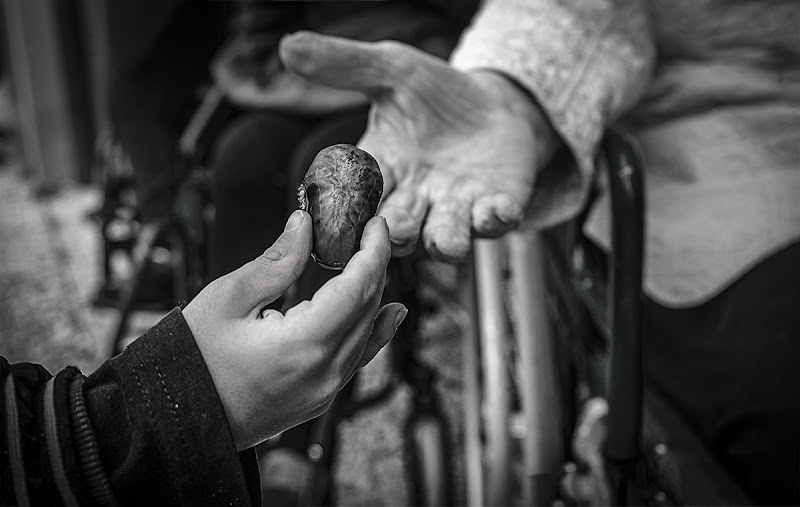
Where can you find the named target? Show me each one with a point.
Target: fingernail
(295, 220)
(301, 35)
(401, 315)
(399, 243)
(503, 220)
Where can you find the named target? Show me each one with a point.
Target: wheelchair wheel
(512, 413)
(428, 440)
(490, 268)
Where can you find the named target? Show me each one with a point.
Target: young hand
(274, 371)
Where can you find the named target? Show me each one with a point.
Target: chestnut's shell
(341, 192)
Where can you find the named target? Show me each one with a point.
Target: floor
(49, 270)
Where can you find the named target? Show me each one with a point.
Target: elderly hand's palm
(456, 158)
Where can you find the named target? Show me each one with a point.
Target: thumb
(265, 278)
(369, 67)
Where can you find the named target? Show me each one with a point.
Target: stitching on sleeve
(150, 411)
(173, 406)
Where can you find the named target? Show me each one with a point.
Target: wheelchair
(549, 321)
(557, 322)
(183, 233)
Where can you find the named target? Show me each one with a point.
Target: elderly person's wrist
(515, 98)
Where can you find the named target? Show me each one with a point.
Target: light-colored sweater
(711, 91)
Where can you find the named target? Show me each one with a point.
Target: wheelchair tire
(493, 336)
(428, 465)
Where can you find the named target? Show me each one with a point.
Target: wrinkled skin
(251, 77)
(459, 151)
(341, 192)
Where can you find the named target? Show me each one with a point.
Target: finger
(382, 327)
(579, 487)
(265, 278)
(375, 146)
(495, 215)
(351, 349)
(404, 211)
(371, 68)
(340, 303)
(387, 321)
(447, 229)
(403, 208)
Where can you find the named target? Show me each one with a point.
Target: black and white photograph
(302, 253)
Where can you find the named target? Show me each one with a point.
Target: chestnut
(341, 192)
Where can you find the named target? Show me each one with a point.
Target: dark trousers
(731, 366)
(257, 164)
(727, 370)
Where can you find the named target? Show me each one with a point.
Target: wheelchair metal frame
(488, 413)
(506, 278)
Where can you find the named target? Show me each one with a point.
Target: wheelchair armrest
(626, 188)
(205, 124)
(609, 288)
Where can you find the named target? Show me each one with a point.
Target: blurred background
(116, 121)
(150, 146)
(55, 81)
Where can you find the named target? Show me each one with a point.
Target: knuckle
(385, 253)
(224, 286)
(381, 256)
(373, 293)
(355, 299)
(272, 254)
(330, 387)
(397, 55)
(319, 357)
(393, 49)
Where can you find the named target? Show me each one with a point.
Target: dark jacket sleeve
(147, 428)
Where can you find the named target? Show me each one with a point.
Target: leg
(250, 185)
(730, 365)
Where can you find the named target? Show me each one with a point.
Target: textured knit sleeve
(147, 428)
(585, 61)
(161, 428)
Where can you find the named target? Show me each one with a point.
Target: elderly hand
(458, 150)
(254, 79)
(274, 371)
